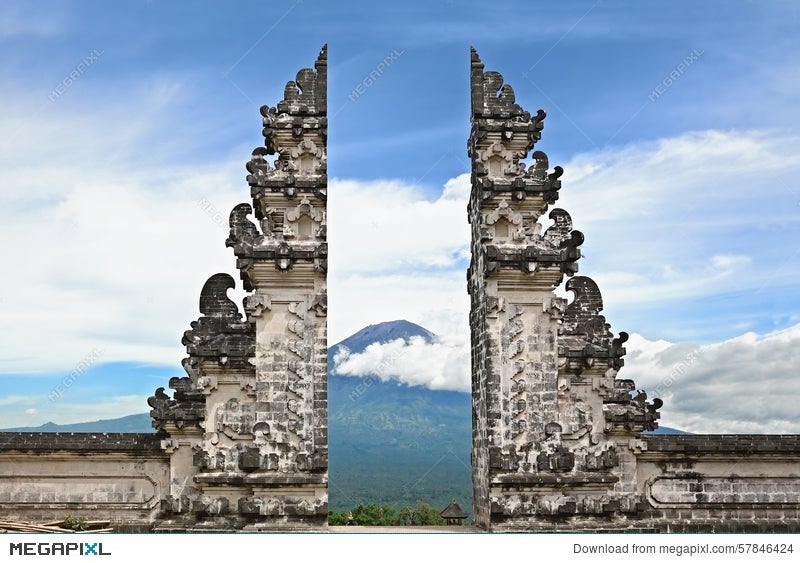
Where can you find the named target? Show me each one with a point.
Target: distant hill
(131, 423)
(667, 430)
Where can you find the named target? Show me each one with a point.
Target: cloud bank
(439, 365)
(741, 385)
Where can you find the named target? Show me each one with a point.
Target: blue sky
(126, 127)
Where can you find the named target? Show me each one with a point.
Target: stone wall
(117, 477)
(721, 483)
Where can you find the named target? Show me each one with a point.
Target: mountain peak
(384, 332)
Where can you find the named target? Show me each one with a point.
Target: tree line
(384, 515)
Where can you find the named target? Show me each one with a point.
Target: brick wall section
(739, 444)
(722, 482)
(85, 442)
(45, 476)
(482, 374)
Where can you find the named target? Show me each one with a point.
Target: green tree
(374, 515)
(337, 518)
(426, 515)
(421, 514)
(406, 517)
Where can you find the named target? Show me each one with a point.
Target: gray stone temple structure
(550, 415)
(247, 427)
(558, 437)
(560, 440)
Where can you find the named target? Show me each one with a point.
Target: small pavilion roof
(453, 511)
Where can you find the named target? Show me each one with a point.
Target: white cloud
(672, 188)
(696, 216)
(396, 255)
(728, 262)
(744, 384)
(442, 364)
(736, 386)
(389, 226)
(109, 249)
(111, 266)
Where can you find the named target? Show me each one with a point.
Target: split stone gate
(558, 437)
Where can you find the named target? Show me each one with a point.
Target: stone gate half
(549, 413)
(558, 439)
(247, 426)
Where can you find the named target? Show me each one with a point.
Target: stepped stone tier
(247, 427)
(558, 437)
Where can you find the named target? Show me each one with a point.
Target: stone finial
(306, 95)
(243, 232)
(296, 130)
(501, 137)
(220, 333)
(493, 99)
(220, 336)
(214, 301)
(585, 336)
(588, 302)
(303, 107)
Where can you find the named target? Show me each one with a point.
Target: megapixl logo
(57, 548)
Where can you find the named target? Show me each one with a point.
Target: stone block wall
(721, 483)
(116, 477)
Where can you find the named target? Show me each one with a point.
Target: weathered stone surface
(549, 414)
(249, 424)
(51, 442)
(729, 444)
(118, 477)
(722, 483)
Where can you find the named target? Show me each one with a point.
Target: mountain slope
(379, 333)
(132, 423)
(394, 444)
